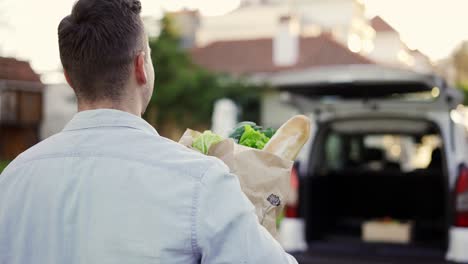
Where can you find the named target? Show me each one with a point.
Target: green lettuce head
(252, 138)
(203, 142)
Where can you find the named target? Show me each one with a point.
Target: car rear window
(401, 152)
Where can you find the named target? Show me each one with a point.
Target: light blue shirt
(109, 189)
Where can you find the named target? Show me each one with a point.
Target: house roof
(256, 55)
(381, 25)
(12, 69)
(418, 52)
(184, 11)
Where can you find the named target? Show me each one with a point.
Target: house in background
(263, 39)
(344, 20)
(388, 47)
(263, 59)
(296, 38)
(390, 50)
(187, 22)
(59, 107)
(21, 95)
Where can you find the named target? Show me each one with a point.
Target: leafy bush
(184, 94)
(3, 164)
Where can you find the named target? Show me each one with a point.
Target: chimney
(286, 42)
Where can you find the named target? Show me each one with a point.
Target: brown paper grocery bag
(264, 177)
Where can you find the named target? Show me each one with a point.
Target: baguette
(290, 138)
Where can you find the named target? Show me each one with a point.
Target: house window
(8, 104)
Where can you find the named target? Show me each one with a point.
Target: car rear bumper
(458, 245)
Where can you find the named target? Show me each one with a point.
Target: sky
(29, 27)
(435, 27)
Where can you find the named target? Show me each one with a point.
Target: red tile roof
(381, 25)
(12, 69)
(256, 55)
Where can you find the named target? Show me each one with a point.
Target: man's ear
(67, 77)
(140, 71)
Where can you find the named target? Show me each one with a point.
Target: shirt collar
(108, 118)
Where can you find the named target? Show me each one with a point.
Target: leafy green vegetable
(205, 141)
(240, 129)
(269, 132)
(237, 133)
(252, 138)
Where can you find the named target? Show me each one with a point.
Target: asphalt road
(343, 259)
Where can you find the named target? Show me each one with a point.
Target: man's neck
(132, 109)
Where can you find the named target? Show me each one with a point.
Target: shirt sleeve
(227, 228)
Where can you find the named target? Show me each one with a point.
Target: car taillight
(291, 210)
(461, 198)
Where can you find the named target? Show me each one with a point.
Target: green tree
(464, 89)
(3, 164)
(460, 59)
(184, 94)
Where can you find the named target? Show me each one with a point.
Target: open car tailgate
(339, 87)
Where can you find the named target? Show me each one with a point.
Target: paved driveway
(336, 253)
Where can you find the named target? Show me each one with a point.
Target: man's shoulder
(148, 150)
(38, 150)
(158, 152)
(164, 151)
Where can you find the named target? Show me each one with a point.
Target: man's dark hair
(98, 42)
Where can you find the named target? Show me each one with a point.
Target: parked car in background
(384, 177)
